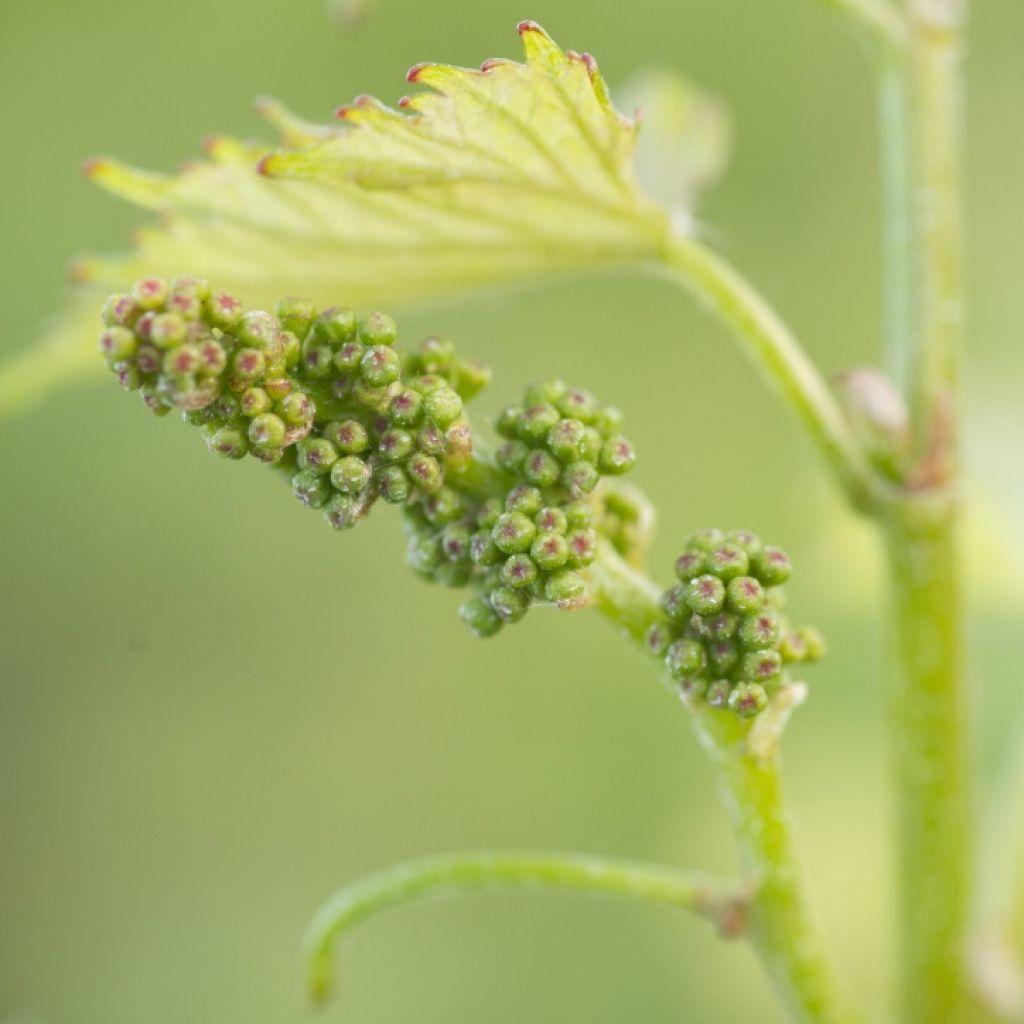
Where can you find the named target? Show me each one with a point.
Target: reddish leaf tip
(404, 101)
(491, 63)
(265, 166)
(414, 72)
(93, 166)
(528, 26)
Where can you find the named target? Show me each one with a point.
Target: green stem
(748, 774)
(490, 871)
(929, 706)
(772, 346)
(930, 716)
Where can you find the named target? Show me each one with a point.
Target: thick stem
(780, 924)
(722, 902)
(780, 921)
(773, 348)
(930, 720)
(930, 712)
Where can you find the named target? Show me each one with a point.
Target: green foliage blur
(213, 710)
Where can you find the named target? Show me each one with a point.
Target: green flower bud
(565, 589)
(393, 484)
(296, 409)
(396, 444)
(425, 472)
(348, 436)
(549, 550)
(351, 474)
(480, 617)
(430, 440)
(377, 329)
(592, 444)
(580, 514)
(348, 357)
(675, 606)
(546, 391)
(723, 656)
(772, 567)
(150, 293)
(705, 540)
(524, 499)
(718, 693)
(317, 454)
(470, 378)
(541, 468)
(310, 488)
(762, 666)
(341, 511)
(117, 343)
(617, 456)
(443, 406)
(749, 542)
(453, 574)
(318, 362)
(507, 423)
(692, 689)
(254, 401)
(333, 327)
(482, 549)
(690, 564)
(760, 631)
(814, 643)
(706, 595)
(489, 512)
(685, 658)
(566, 440)
(229, 442)
(257, 329)
(551, 518)
(445, 506)
(380, 366)
(721, 627)
(248, 364)
(510, 456)
(745, 595)
(423, 553)
(223, 310)
(578, 405)
(455, 540)
(406, 408)
(579, 479)
(727, 562)
(120, 310)
(519, 570)
(513, 533)
(748, 700)
(167, 330)
(657, 638)
(267, 431)
(608, 420)
(536, 421)
(296, 315)
(509, 603)
(582, 548)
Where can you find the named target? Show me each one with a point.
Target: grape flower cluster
(324, 396)
(529, 536)
(724, 638)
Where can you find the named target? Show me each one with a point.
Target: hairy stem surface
(779, 921)
(929, 706)
(722, 902)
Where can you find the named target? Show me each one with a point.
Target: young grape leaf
(509, 172)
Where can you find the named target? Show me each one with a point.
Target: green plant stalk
(929, 717)
(773, 348)
(749, 778)
(722, 902)
(929, 706)
(876, 16)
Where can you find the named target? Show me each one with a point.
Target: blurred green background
(205, 723)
